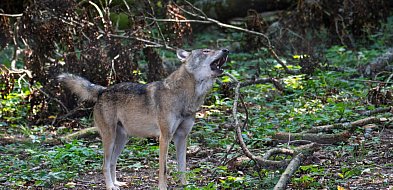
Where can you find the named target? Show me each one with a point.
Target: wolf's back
(84, 89)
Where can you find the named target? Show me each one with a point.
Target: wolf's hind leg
(108, 141)
(120, 142)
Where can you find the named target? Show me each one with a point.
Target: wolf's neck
(179, 80)
(182, 80)
(203, 86)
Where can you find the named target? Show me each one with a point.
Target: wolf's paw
(162, 186)
(118, 183)
(112, 188)
(183, 181)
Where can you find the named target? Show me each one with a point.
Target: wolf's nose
(225, 51)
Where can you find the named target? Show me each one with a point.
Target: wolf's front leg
(180, 144)
(180, 140)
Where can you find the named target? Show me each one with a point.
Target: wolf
(165, 109)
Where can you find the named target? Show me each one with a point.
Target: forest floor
(215, 160)
(369, 167)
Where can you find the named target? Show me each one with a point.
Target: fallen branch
(276, 151)
(315, 134)
(291, 169)
(347, 125)
(81, 134)
(376, 111)
(265, 160)
(238, 85)
(11, 139)
(20, 139)
(371, 81)
(11, 15)
(317, 138)
(307, 149)
(260, 161)
(299, 142)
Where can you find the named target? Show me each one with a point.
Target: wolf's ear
(182, 54)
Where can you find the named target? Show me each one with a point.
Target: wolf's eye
(205, 51)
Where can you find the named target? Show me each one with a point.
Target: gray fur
(164, 109)
(85, 90)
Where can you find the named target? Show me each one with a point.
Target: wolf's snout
(226, 51)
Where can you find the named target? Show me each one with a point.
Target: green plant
(34, 165)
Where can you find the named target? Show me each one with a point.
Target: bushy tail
(84, 89)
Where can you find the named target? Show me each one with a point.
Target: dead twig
(158, 26)
(222, 24)
(149, 43)
(53, 98)
(269, 46)
(180, 21)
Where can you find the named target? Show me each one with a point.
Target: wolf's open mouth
(216, 65)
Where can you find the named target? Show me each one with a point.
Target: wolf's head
(204, 63)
